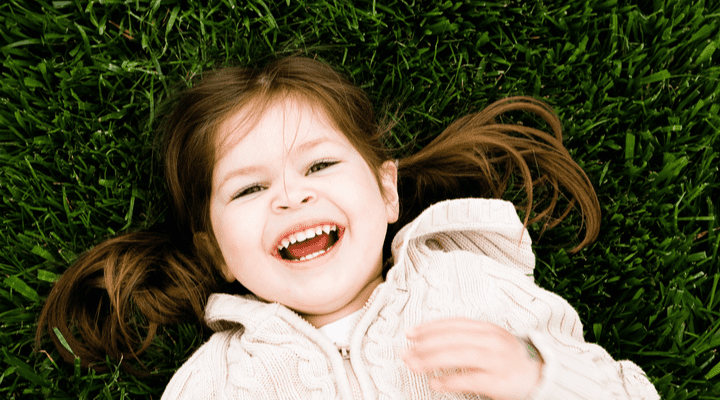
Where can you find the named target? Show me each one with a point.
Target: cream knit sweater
(466, 258)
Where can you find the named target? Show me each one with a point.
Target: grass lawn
(636, 84)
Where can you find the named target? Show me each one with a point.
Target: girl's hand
(474, 357)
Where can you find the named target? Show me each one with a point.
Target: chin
(326, 306)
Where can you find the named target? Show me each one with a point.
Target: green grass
(635, 83)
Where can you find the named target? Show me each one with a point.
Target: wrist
(534, 366)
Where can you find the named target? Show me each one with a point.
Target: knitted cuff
(567, 374)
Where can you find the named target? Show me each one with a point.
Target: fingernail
(410, 361)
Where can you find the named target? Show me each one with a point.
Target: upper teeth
(305, 235)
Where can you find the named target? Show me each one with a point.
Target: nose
(293, 196)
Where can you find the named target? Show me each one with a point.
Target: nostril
(289, 202)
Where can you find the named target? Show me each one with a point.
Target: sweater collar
(226, 311)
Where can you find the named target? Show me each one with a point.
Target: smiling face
(292, 176)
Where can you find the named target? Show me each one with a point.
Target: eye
(247, 191)
(320, 165)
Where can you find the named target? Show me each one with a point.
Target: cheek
(238, 232)
(363, 193)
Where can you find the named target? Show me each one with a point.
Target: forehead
(284, 124)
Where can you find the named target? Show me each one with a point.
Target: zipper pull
(344, 351)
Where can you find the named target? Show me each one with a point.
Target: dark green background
(635, 84)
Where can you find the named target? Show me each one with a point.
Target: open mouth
(310, 243)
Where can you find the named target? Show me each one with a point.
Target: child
(278, 179)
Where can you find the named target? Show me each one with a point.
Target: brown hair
(477, 152)
(168, 276)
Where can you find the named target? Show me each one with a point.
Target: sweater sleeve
(202, 376)
(572, 369)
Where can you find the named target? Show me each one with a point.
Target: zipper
(352, 378)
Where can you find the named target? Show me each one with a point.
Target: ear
(208, 248)
(388, 176)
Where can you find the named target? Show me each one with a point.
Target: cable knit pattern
(466, 258)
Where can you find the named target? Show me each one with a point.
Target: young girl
(356, 282)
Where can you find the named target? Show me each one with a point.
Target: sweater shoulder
(202, 375)
(487, 227)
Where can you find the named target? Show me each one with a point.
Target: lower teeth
(313, 255)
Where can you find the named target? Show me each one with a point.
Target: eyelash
(256, 188)
(327, 163)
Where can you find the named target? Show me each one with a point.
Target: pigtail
(128, 284)
(115, 297)
(477, 152)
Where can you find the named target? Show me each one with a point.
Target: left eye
(248, 191)
(320, 165)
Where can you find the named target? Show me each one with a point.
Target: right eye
(247, 191)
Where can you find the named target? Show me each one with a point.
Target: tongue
(309, 246)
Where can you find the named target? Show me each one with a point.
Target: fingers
(460, 350)
(445, 360)
(486, 385)
(460, 383)
(466, 356)
(460, 327)
(465, 344)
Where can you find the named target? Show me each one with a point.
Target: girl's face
(298, 214)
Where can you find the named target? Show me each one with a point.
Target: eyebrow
(307, 146)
